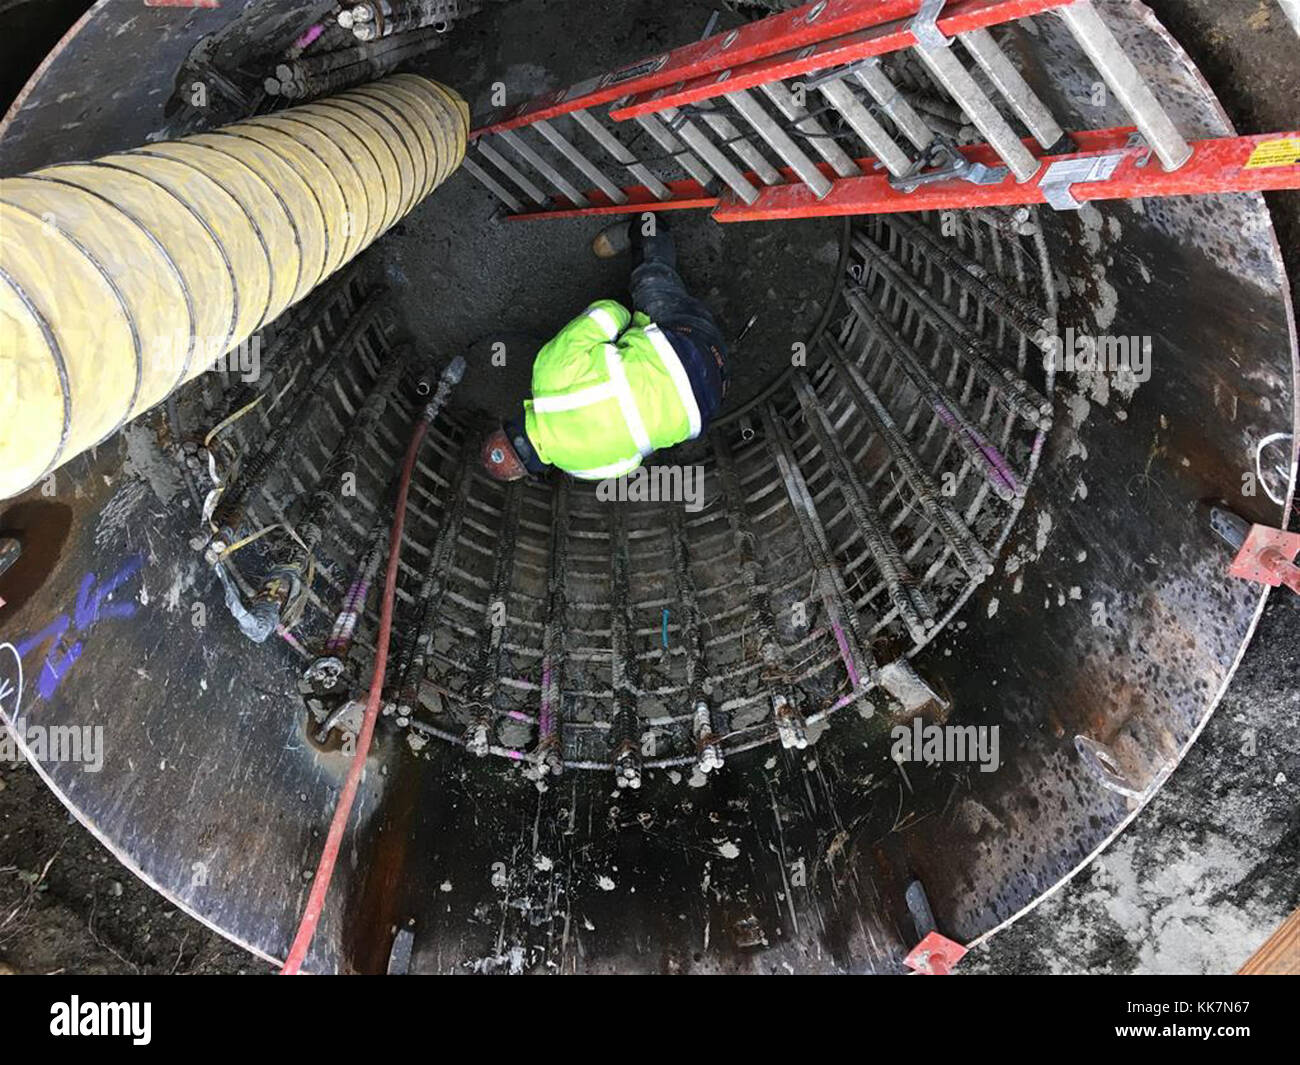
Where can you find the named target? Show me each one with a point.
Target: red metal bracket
(935, 955)
(1268, 557)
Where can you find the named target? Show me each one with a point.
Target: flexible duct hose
(123, 278)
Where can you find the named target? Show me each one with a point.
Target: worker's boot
(646, 235)
(612, 241)
(651, 239)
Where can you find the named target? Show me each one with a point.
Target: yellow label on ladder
(1275, 153)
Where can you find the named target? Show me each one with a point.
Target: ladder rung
(492, 185)
(512, 172)
(1013, 87)
(621, 154)
(530, 156)
(770, 130)
(872, 133)
(822, 142)
(894, 104)
(956, 79)
(1096, 39)
(712, 155)
(589, 169)
(741, 146)
(669, 142)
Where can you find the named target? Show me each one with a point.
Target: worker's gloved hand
(500, 458)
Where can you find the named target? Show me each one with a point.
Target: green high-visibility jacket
(608, 391)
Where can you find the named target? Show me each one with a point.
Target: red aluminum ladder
(767, 122)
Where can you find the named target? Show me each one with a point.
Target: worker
(615, 386)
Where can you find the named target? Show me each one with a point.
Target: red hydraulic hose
(334, 841)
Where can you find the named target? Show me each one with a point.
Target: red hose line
(343, 809)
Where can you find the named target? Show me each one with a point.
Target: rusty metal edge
(1288, 511)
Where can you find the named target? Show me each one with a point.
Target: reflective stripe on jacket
(608, 391)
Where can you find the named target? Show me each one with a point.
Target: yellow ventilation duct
(123, 278)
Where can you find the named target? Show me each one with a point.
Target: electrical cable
(343, 809)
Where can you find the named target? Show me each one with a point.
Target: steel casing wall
(125, 277)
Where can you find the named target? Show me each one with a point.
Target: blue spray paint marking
(92, 607)
(665, 626)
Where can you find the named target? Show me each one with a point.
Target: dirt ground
(1203, 876)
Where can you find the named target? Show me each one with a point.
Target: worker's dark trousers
(659, 292)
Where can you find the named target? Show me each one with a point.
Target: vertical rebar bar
(416, 630)
(229, 512)
(742, 535)
(984, 456)
(492, 636)
(969, 552)
(911, 602)
(625, 733)
(841, 613)
(987, 287)
(1010, 389)
(550, 722)
(708, 747)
